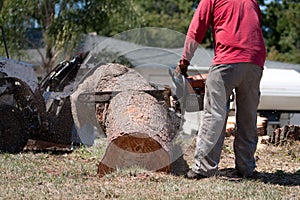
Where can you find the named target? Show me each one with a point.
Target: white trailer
(280, 90)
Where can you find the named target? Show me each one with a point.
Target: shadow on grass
(179, 167)
(277, 178)
(49, 151)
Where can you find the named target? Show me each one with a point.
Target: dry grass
(48, 175)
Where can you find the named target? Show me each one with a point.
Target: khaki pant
(245, 79)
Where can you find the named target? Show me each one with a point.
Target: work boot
(193, 175)
(250, 176)
(234, 174)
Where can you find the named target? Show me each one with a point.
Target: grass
(48, 175)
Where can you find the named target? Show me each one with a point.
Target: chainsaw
(189, 92)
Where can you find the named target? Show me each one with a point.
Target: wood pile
(261, 124)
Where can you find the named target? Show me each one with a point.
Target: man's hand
(182, 68)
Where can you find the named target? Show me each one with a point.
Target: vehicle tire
(13, 137)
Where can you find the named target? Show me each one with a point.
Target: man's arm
(201, 21)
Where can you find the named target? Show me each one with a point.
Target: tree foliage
(171, 14)
(174, 15)
(62, 22)
(282, 30)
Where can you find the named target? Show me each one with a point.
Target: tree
(281, 28)
(11, 25)
(62, 22)
(172, 14)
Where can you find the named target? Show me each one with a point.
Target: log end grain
(134, 150)
(261, 125)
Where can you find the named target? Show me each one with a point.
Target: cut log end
(261, 126)
(136, 149)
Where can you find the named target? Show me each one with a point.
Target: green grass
(37, 175)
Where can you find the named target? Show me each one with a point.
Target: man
(238, 64)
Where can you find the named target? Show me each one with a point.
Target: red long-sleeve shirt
(236, 31)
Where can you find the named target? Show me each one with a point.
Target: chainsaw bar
(106, 96)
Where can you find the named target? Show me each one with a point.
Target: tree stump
(284, 134)
(138, 127)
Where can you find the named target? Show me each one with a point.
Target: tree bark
(138, 127)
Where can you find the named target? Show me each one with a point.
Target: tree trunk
(138, 127)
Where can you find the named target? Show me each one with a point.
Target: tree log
(138, 127)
